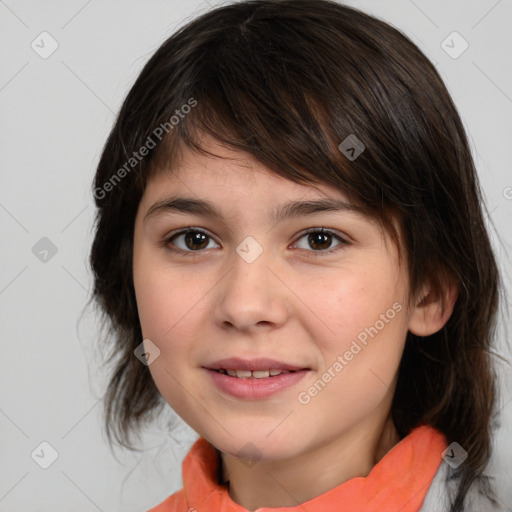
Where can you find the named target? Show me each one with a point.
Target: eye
(320, 240)
(190, 240)
(193, 240)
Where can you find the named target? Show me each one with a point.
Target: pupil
(194, 238)
(319, 239)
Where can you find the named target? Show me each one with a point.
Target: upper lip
(236, 363)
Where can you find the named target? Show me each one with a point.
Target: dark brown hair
(287, 81)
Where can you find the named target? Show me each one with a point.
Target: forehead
(231, 176)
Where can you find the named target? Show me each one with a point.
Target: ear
(432, 310)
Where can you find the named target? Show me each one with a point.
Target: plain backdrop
(56, 112)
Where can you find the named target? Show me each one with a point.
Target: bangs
(303, 152)
(256, 95)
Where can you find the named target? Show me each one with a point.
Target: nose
(252, 295)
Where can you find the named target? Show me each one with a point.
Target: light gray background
(56, 114)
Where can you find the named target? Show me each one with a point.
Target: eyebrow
(285, 211)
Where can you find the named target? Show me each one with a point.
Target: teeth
(260, 374)
(256, 374)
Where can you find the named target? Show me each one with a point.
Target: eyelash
(314, 253)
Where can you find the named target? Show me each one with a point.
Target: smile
(255, 384)
(255, 374)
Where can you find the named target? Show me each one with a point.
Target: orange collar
(399, 481)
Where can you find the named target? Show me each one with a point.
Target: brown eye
(320, 240)
(195, 240)
(191, 240)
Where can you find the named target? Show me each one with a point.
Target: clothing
(443, 490)
(411, 477)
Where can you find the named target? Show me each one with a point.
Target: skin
(289, 305)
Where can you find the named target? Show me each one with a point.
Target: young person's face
(254, 287)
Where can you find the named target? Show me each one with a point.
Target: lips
(256, 384)
(253, 365)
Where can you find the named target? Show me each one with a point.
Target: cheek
(171, 309)
(360, 318)
(165, 300)
(348, 302)
(167, 305)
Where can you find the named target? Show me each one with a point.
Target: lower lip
(255, 389)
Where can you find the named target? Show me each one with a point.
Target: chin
(256, 445)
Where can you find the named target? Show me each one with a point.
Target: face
(247, 284)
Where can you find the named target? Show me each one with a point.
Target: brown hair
(287, 81)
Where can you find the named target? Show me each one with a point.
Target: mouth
(255, 374)
(254, 379)
(259, 368)
(255, 384)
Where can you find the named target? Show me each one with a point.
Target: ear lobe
(432, 310)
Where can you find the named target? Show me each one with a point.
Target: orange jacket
(399, 481)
